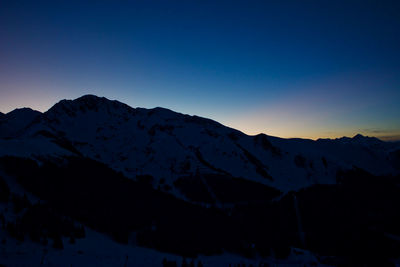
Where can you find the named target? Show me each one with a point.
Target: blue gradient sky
(286, 68)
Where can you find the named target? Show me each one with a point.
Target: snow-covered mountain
(168, 186)
(168, 145)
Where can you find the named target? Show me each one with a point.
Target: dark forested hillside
(353, 221)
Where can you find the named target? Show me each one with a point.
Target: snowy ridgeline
(168, 145)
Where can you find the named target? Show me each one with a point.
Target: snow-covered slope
(168, 145)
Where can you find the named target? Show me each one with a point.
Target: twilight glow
(284, 68)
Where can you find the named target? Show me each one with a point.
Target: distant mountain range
(168, 176)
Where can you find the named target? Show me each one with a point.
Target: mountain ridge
(168, 145)
(90, 98)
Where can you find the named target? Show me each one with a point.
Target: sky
(309, 69)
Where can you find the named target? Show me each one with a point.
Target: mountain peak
(91, 100)
(86, 103)
(90, 96)
(359, 137)
(22, 111)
